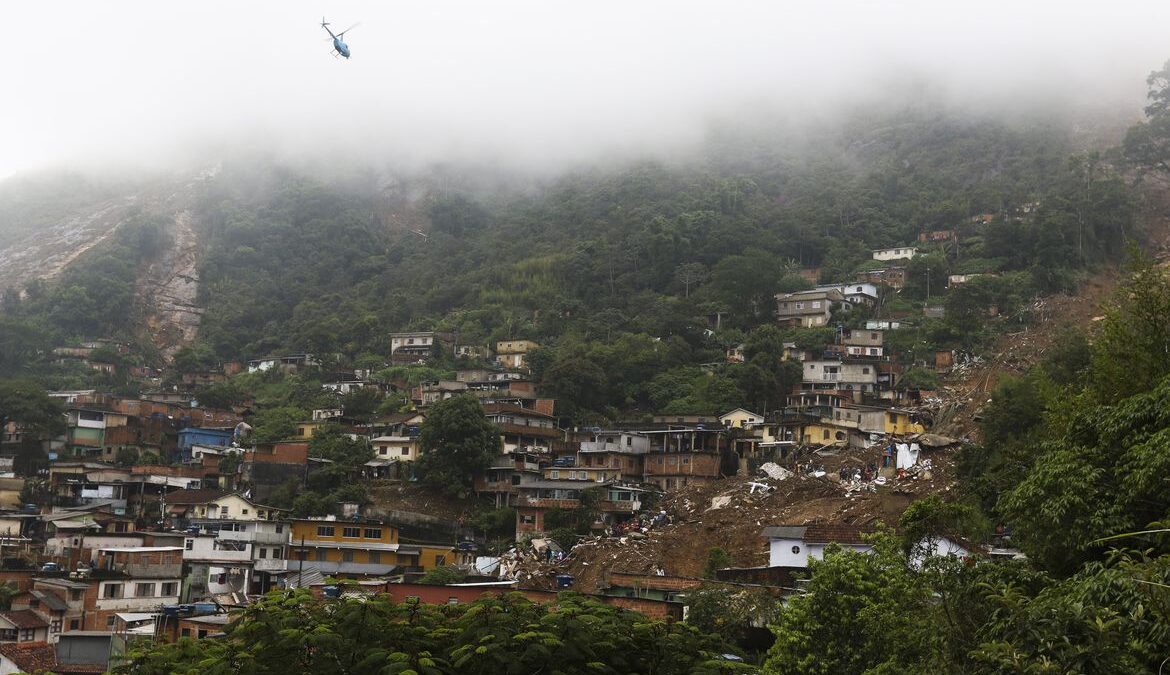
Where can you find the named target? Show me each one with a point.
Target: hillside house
(619, 455)
(892, 277)
(939, 236)
(807, 309)
(289, 363)
(347, 549)
(740, 418)
(511, 353)
(419, 346)
(399, 448)
(855, 378)
(857, 293)
(523, 429)
(895, 253)
(234, 556)
(795, 545)
(137, 579)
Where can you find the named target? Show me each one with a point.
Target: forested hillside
(629, 276)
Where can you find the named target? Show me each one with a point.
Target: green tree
(717, 559)
(457, 441)
(27, 404)
(1148, 143)
(853, 605)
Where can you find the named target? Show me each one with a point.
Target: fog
(539, 84)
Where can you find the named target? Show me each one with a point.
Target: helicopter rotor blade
(349, 29)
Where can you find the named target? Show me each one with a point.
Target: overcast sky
(89, 82)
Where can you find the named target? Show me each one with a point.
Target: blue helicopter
(338, 44)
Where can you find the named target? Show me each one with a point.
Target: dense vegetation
(634, 278)
(292, 632)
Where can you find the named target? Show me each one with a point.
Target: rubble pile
(731, 514)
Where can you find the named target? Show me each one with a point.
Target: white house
(895, 253)
(838, 375)
(793, 546)
(740, 418)
(856, 293)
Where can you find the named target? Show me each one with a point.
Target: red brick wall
(652, 581)
(440, 595)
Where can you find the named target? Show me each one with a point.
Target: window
(321, 555)
(262, 553)
(795, 549)
(686, 460)
(554, 474)
(75, 624)
(55, 626)
(528, 519)
(375, 557)
(325, 530)
(452, 600)
(170, 589)
(189, 544)
(144, 590)
(382, 450)
(110, 622)
(120, 527)
(112, 591)
(405, 451)
(351, 532)
(816, 304)
(440, 560)
(244, 511)
(865, 371)
(223, 511)
(826, 434)
(373, 533)
(186, 632)
(629, 440)
(280, 529)
(74, 595)
(347, 556)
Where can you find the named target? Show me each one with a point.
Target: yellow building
(307, 429)
(824, 433)
(900, 423)
(360, 548)
(401, 448)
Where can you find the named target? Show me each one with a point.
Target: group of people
(642, 523)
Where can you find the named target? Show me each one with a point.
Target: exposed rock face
(44, 253)
(166, 287)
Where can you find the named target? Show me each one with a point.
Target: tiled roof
(833, 534)
(198, 496)
(24, 618)
(817, 533)
(50, 600)
(30, 657)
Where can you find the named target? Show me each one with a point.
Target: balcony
(270, 565)
(546, 503)
(152, 571)
(831, 377)
(252, 536)
(619, 506)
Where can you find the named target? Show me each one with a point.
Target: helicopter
(338, 44)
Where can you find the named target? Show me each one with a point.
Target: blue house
(189, 436)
